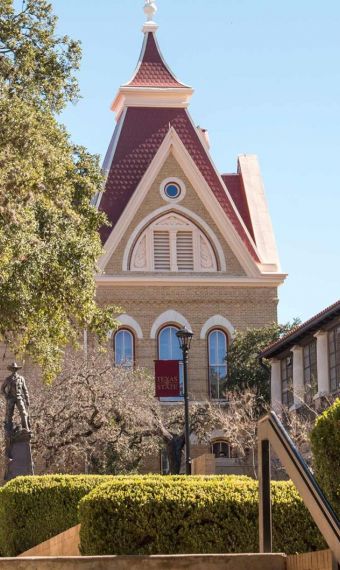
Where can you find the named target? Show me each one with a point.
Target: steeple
(153, 83)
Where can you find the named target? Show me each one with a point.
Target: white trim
(173, 143)
(169, 97)
(154, 280)
(249, 169)
(177, 181)
(127, 321)
(215, 322)
(169, 316)
(191, 217)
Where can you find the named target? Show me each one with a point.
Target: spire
(150, 10)
(153, 83)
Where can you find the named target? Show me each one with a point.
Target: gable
(191, 203)
(141, 136)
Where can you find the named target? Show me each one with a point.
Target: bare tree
(94, 417)
(239, 416)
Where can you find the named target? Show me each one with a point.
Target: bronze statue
(15, 391)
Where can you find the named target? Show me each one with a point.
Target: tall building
(187, 246)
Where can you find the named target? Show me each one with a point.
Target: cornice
(154, 280)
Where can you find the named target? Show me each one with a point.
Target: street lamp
(184, 337)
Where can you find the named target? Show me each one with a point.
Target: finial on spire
(150, 10)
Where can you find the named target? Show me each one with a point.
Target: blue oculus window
(168, 349)
(172, 190)
(124, 345)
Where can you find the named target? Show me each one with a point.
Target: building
(188, 246)
(305, 363)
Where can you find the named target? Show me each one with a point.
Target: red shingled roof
(308, 327)
(152, 70)
(142, 133)
(235, 186)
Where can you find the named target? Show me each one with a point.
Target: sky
(267, 82)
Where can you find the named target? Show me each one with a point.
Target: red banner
(167, 378)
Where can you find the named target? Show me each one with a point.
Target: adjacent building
(305, 363)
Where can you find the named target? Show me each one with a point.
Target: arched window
(124, 348)
(223, 450)
(217, 352)
(173, 243)
(168, 349)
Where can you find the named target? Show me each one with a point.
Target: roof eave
(151, 97)
(310, 326)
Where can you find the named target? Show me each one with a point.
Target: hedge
(166, 515)
(325, 440)
(33, 509)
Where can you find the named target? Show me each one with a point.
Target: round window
(172, 190)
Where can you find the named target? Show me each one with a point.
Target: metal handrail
(271, 433)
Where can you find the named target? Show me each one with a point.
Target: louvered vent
(185, 251)
(161, 242)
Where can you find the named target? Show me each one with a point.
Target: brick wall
(243, 307)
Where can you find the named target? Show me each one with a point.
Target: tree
(49, 240)
(94, 418)
(170, 428)
(36, 65)
(244, 368)
(239, 416)
(103, 419)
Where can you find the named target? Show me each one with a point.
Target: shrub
(167, 515)
(325, 440)
(33, 509)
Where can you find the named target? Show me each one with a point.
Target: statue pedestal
(19, 456)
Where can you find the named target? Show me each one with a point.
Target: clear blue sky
(267, 81)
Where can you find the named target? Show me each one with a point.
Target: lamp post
(184, 337)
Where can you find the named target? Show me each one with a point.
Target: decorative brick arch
(217, 321)
(131, 323)
(170, 316)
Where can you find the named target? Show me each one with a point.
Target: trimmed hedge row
(325, 440)
(171, 515)
(33, 509)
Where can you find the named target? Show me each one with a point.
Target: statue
(15, 391)
(18, 447)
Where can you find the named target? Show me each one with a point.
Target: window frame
(334, 387)
(289, 379)
(310, 367)
(221, 330)
(204, 255)
(125, 329)
(179, 398)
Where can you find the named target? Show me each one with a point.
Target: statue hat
(14, 366)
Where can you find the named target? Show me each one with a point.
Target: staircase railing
(271, 433)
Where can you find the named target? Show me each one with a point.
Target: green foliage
(325, 441)
(171, 515)
(33, 509)
(35, 64)
(49, 240)
(244, 368)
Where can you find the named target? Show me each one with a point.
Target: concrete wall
(204, 465)
(312, 561)
(64, 544)
(180, 562)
